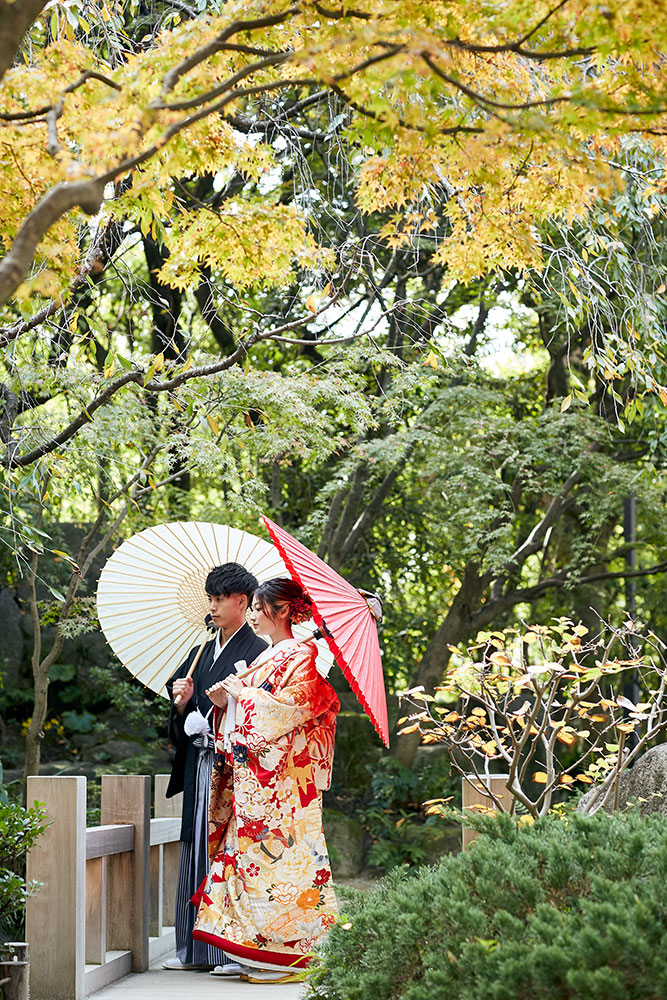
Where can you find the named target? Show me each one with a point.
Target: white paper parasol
(150, 596)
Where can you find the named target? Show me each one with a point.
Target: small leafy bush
(558, 910)
(394, 817)
(19, 829)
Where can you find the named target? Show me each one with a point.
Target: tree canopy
(266, 255)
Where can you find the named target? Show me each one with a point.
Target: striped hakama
(193, 868)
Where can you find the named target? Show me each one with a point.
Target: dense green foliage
(19, 829)
(398, 829)
(561, 910)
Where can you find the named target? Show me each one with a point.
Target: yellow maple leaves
(251, 244)
(480, 121)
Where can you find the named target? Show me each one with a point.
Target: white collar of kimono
(267, 653)
(219, 646)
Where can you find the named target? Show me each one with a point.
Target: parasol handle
(177, 699)
(321, 632)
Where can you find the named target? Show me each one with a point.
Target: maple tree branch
(52, 116)
(540, 24)
(624, 574)
(249, 50)
(196, 102)
(324, 343)
(515, 47)
(480, 99)
(374, 505)
(84, 417)
(388, 52)
(561, 579)
(321, 343)
(305, 102)
(25, 116)
(640, 113)
(271, 127)
(341, 12)
(368, 113)
(138, 377)
(89, 74)
(200, 55)
(274, 59)
(86, 195)
(97, 247)
(9, 408)
(534, 540)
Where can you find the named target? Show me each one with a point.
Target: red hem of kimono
(292, 961)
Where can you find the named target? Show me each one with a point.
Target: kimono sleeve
(265, 719)
(220, 805)
(175, 731)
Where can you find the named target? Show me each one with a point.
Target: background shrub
(19, 828)
(564, 908)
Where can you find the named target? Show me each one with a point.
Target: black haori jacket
(244, 645)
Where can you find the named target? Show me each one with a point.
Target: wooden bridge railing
(107, 899)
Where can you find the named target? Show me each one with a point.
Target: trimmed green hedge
(565, 909)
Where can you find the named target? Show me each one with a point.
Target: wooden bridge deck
(159, 984)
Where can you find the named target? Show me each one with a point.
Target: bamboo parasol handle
(177, 699)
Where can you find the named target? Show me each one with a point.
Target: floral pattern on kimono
(268, 899)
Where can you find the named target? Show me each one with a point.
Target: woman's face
(262, 623)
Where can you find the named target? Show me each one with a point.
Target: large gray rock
(345, 842)
(644, 783)
(440, 839)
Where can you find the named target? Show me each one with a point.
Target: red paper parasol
(347, 622)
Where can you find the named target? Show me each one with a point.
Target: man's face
(228, 612)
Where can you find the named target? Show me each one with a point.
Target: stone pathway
(158, 984)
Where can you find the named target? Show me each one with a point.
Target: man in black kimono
(229, 589)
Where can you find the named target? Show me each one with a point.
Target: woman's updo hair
(273, 595)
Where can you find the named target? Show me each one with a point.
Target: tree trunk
(15, 19)
(40, 673)
(35, 732)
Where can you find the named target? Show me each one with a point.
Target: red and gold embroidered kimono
(268, 897)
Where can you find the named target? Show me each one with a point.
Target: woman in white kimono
(268, 899)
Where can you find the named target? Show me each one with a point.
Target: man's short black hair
(231, 578)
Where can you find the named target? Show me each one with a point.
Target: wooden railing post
(55, 915)
(126, 799)
(475, 793)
